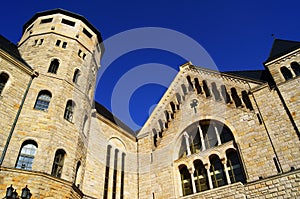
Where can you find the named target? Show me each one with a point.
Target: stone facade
(212, 135)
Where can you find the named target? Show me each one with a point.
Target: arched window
(53, 66)
(190, 83)
(198, 87)
(210, 135)
(26, 155)
(76, 75)
(216, 171)
(43, 100)
(234, 167)
(183, 148)
(225, 94)
(296, 68)
(286, 73)
(3, 80)
(69, 111)
(58, 163)
(200, 176)
(186, 181)
(205, 88)
(246, 100)
(236, 98)
(215, 91)
(184, 90)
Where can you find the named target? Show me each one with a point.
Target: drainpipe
(33, 75)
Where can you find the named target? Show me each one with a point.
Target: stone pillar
(201, 137)
(209, 176)
(226, 171)
(218, 135)
(192, 170)
(186, 136)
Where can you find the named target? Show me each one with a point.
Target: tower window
(236, 98)
(206, 89)
(286, 73)
(3, 80)
(247, 100)
(43, 100)
(76, 75)
(186, 181)
(296, 68)
(26, 155)
(48, 20)
(69, 111)
(64, 45)
(58, 163)
(53, 66)
(57, 43)
(87, 33)
(217, 171)
(68, 22)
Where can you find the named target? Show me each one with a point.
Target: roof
(261, 75)
(281, 47)
(108, 115)
(11, 49)
(64, 12)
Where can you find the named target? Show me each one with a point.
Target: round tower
(65, 49)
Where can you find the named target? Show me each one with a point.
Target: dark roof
(12, 50)
(261, 75)
(108, 115)
(64, 12)
(281, 47)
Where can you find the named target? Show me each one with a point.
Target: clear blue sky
(236, 35)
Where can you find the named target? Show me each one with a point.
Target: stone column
(226, 170)
(207, 166)
(192, 170)
(186, 136)
(201, 137)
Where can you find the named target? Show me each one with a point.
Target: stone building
(212, 135)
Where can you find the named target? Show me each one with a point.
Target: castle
(212, 135)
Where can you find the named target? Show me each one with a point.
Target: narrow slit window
(87, 33)
(68, 22)
(53, 66)
(48, 20)
(57, 43)
(69, 111)
(64, 45)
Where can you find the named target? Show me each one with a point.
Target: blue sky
(235, 34)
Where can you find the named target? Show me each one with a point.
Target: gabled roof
(261, 75)
(12, 50)
(108, 115)
(281, 47)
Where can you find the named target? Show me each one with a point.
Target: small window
(53, 66)
(41, 41)
(43, 100)
(48, 20)
(57, 43)
(206, 89)
(79, 53)
(68, 22)
(286, 73)
(83, 56)
(296, 68)
(87, 33)
(58, 163)
(237, 100)
(26, 155)
(64, 45)
(69, 111)
(3, 80)
(76, 75)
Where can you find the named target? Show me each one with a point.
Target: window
(87, 33)
(69, 111)
(234, 167)
(58, 163)
(3, 80)
(64, 45)
(190, 83)
(57, 43)
(215, 91)
(115, 174)
(247, 100)
(53, 66)
(236, 98)
(184, 90)
(48, 20)
(198, 87)
(122, 176)
(68, 22)
(106, 179)
(76, 75)
(186, 181)
(200, 176)
(43, 100)
(296, 68)
(205, 88)
(216, 171)
(286, 73)
(225, 94)
(26, 155)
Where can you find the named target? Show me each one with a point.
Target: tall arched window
(235, 97)
(215, 91)
(296, 68)
(186, 181)
(200, 176)
(76, 75)
(69, 111)
(3, 80)
(286, 73)
(197, 85)
(43, 100)
(206, 89)
(247, 100)
(190, 83)
(58, 163)
(53, 66)
(217, 171)
(26, 155)
(225, 94)
(184, 90)
(234, 166)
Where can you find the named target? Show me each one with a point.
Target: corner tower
(65, 49)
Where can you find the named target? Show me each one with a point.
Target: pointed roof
(281, 47)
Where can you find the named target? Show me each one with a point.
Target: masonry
(213, 134)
